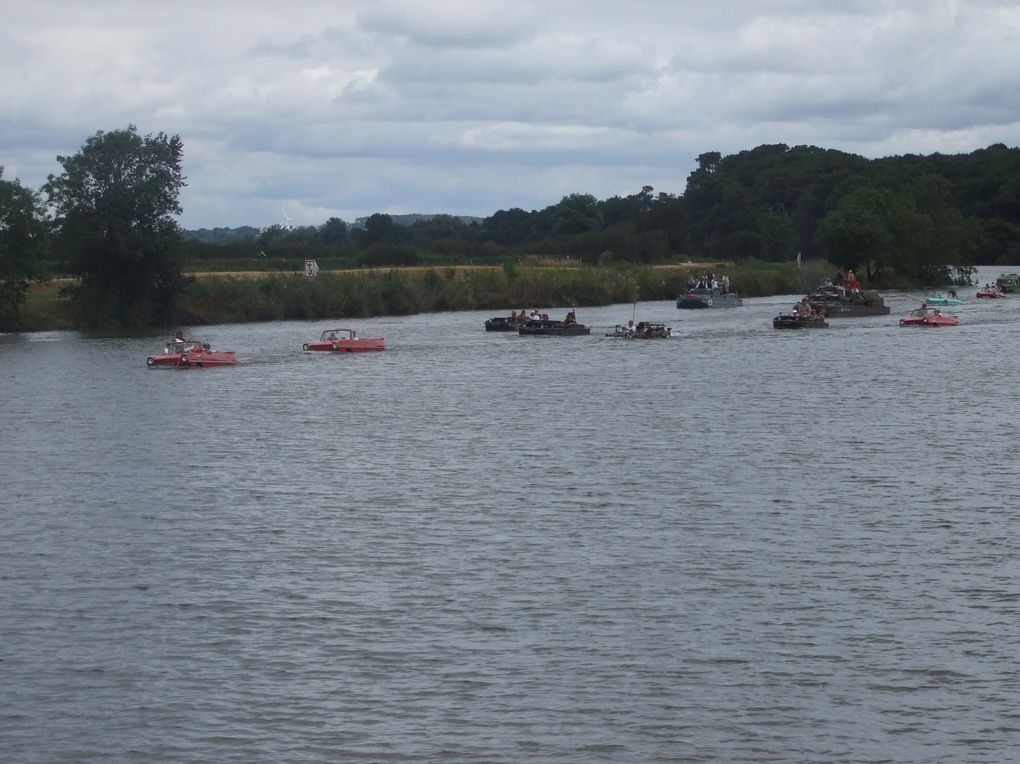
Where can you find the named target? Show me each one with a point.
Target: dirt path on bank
(52, 286)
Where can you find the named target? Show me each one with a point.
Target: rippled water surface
(739, 544)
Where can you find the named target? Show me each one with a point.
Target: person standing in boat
(851, 281)
(725, 284)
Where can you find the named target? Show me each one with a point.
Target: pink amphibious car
(345, 341)
(186, 354)
(926, 316)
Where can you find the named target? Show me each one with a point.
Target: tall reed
(354, 294)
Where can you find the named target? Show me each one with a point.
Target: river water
(739, 544)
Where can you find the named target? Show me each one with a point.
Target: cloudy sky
(344, 108)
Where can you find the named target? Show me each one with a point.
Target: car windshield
(335, 334)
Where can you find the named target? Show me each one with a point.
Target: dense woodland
(109, 220)
(910, 214)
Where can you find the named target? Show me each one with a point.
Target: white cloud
(452, 23)
(464, 107)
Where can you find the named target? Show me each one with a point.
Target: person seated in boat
(852, 284)
(332, 336)
(691, 281)
(179, 337)
(725, 283)
(570, 320)
(535, 315)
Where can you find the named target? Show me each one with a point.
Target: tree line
(909, 214)
(109, 219)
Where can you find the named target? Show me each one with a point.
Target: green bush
(360, 293)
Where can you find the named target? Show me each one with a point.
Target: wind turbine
(288, 222)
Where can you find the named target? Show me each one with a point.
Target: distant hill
(415, 218)
(247, 232)
(222, 235)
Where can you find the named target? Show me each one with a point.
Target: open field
(251, 295)
(52, 286)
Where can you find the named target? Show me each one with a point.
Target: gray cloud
(463, 107)
(453, 23)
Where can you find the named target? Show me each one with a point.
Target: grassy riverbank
(274, 296)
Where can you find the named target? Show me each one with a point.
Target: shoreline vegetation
(776, 218)
(247, 296)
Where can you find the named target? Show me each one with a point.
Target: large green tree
(114, 206)
(945, 237)
(23, 244)
(857, 232)
(576, 213)
(334, 232)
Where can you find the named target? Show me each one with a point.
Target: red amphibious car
(186, 354)
(926, 316)
(345, 341)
